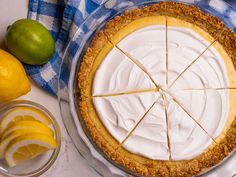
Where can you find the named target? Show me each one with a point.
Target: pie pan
(69, 93)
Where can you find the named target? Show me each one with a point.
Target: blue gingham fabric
(60, 17)
(64, 17)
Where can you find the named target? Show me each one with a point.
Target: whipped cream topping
(120, 114)
(151, 134)
(117, 74)
(184, 46)
(148, 46)
(187, 139)
(210, 108)
(209, 71)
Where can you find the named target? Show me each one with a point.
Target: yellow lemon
(14, 81)
(23, 113)
(28, 146)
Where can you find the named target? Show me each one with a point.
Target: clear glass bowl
(39, 165)
(67, 86)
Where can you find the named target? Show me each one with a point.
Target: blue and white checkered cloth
(63, 18)
(59, 17)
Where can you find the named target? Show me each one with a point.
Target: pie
(158, 90)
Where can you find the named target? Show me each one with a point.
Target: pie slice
(186, 42)
(213, 69)
(187, 139)
(146, 46)
(105, 70)
(213, 109)
(117, 74)
(150, 134)
(120, 114)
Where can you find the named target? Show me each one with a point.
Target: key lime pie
(158, 91)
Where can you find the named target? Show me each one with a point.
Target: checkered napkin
(58, 16)
(63, 18)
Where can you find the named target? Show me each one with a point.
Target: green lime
(30, 42)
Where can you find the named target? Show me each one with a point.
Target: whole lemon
(30, 42)
(13, 79)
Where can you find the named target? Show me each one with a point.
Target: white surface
(69, 163)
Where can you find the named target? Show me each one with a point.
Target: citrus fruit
(5, 141)
(27, 125)
(23, 113)
(28, 146)
(14, 81)
(30, 42)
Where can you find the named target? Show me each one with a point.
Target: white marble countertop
(69, 162)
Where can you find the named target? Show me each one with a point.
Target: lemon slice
(23, 113)
(31, 125)
(28, 146)
(4, 142)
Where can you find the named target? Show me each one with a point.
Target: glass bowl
(67, 84)
(41, 163)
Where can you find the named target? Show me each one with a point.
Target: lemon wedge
(23, 113)
(30, 125)
(28, 146)
(5, 141)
